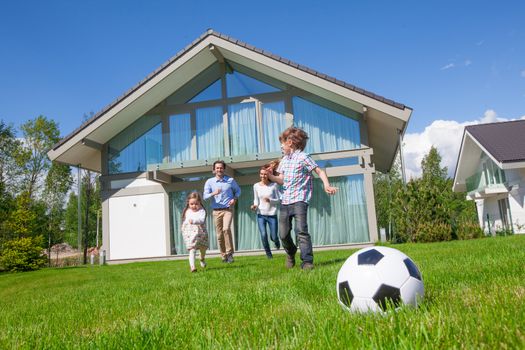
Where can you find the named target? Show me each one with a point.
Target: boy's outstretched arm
(322, 175)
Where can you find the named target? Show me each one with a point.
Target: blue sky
(461, 61)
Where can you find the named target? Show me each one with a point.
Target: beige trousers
(223, 221)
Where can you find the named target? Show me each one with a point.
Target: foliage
(23, 254)
(385, 188)
(71, 212)
(425, 209)
(473, 296)
(40, 134)
(469, 230)
(10, 158)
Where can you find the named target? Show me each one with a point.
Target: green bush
(23, 254)
(432, 232)
(469, 230)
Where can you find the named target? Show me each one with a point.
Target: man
(224, 192)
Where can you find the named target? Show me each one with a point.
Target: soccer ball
(373, 278)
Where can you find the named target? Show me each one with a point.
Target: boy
(295, 174)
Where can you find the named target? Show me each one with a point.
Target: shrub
(432, 232)
(469, 230)
(23, 254)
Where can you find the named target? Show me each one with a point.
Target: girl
(194, 228)
(265, 200)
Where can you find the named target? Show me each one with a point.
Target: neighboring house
(491, 169)
(220, 98)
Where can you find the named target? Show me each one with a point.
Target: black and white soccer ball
(376, 278)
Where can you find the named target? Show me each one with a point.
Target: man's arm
(322, 175)
(207, 191)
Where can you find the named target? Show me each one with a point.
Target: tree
(10, 157)
(57, 184)
(385, 187)
(40, 135)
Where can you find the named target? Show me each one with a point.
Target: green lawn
(474, 298)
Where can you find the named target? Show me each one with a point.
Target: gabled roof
(193, 59)
(503, 142)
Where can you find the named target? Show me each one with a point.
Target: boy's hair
(298, 137)
(219, 162)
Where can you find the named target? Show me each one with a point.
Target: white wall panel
(137, 226)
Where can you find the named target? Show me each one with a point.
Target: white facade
(137, 227)
(498, 190)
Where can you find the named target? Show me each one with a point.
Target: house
(491, 170)
(220, 98)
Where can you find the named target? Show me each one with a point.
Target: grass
(475, 297)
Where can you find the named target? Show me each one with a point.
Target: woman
(265, 201)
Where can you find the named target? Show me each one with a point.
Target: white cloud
(448, 66)
(446, 136)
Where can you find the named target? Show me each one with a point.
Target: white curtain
(180, 137)
(327, 130)
(341, 218)
(273, 123)
(243, 128)
(210, 133)
(247, 234)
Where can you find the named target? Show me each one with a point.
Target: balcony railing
(478, 181)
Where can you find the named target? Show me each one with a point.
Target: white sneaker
(203, 263)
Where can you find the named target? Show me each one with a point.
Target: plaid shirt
(297, 170)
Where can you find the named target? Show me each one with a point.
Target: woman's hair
(299, 137)
(192, 195)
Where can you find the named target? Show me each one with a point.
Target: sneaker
(269, 256)
(194, 270)
(203, 263)
(307, 266)
(290, 261)
(225, 259)
(229, 259)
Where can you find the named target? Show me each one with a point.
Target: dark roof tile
(505, 141)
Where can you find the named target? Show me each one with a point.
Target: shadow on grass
(330, 262)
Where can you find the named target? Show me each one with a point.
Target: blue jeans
(297, 211)
(271, 220)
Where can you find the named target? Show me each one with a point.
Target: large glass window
(136, 147)
(212, 92)
(328, 130)
(238, 84)
(210, 133)
(180, 137)
(273, 123)
(242, 122)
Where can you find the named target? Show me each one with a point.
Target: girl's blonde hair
(192, 195)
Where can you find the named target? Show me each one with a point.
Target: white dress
(195, 235)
